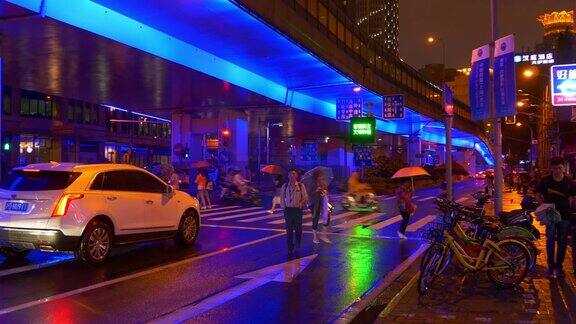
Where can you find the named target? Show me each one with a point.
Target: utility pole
(498, 176)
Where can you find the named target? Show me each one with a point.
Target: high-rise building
(559, 31)
(376, 18)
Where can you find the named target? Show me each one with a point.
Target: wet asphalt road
(214, 282)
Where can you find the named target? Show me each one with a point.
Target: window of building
(6, 101)
(95, 115)
(87, 113)
(332, 23)
(322, 14)
(78, 111)
(70, 110)
(313, 8)
(35, 104)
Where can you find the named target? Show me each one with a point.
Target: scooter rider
(356, 188)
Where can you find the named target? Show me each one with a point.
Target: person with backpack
(294, 199)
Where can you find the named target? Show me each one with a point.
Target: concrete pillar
(441, 153)
(414, 150)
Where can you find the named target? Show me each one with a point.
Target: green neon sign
(362, 130)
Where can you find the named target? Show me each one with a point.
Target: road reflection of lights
(361, 257)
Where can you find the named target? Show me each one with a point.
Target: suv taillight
(63, 203)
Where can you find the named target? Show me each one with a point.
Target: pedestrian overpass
(248, 52)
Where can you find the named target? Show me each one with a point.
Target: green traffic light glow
(362, 130)
(7, 147)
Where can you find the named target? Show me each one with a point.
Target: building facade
(39, 127)
(379, 19)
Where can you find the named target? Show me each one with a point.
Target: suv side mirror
(168, 190)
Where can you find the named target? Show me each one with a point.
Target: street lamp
(528, 73)
(448, 121)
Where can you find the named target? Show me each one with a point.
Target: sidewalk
(459, 298)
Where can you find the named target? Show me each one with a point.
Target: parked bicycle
(505, 261)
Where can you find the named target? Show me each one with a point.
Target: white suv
(89, 208)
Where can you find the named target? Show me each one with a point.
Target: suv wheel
(13, 253)
(96, 243)
(188, 229)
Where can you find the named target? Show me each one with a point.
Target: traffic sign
(346, 108)
(563, 84)
(363, 155)
(393, 107)
(362, 130)
(479, 82)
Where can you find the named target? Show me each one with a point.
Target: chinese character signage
(479, 82)
(309, 151)
(347, 108)
(563, 84)
(504, 77)
(362, 130)
(535, 59)
(363, 156)
(393, 107)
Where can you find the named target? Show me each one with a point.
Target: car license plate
(16, 206)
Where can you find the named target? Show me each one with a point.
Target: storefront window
(36, 149)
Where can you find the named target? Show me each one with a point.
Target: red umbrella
(272, 169)
(200, 164)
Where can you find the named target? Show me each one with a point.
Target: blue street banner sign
(563, 84)
(479, 82)
(363, 156)
(504, 77)
(393, 107)
(448, 100)
(346, 108)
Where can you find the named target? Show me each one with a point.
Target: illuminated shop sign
(535, 59)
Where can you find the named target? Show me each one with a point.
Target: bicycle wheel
(430, 267)
(513, 261)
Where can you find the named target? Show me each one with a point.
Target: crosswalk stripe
(415, 197)
(231, 211)
(359, 220)
(427, 198)
(269, 216)
(389, 198)
(463, 199)
(387, 222)
(282, 221)
(222, 208)
(336, 217)
(258, 212)
(420, 223)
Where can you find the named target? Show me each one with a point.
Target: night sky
(465, 25)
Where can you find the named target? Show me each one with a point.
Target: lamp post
(547, 118)
(431, 40)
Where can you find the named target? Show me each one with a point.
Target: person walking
(405, 206)
(319, 192)
(201, 182)
(294, 198)
(558, 189)
(277, 200)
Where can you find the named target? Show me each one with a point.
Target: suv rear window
(19, 180)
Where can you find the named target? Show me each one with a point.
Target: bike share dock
(456, 297)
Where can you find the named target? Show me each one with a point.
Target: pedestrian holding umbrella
(272, 169)
(410, 172)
